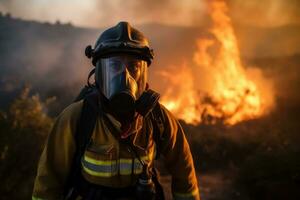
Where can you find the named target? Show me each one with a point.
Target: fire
(181, 97)
(229, 96)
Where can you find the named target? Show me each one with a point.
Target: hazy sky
(96, 13)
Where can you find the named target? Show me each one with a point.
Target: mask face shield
(121, 79)
(121, 74)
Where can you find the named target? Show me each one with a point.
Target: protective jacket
(108, 162)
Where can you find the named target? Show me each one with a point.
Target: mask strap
(90, 75)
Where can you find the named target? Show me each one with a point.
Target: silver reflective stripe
(125, 167)
(108, 168)
(101, 168)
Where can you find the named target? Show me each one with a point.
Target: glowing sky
(95, 13)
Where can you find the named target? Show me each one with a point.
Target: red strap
(125, 130)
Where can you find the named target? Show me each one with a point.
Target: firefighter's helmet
(121, 38)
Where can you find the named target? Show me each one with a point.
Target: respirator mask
(122, 82)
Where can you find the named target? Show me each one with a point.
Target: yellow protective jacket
(107, 162)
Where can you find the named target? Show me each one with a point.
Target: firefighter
(103, 146)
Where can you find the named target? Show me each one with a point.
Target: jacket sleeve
(178, 160)
(56, 159)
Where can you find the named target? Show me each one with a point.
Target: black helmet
(121, 38)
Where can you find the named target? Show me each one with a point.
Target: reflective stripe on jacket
(110, 163)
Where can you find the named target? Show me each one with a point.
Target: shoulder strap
(85, 126)
(84, 92)
(157, 119)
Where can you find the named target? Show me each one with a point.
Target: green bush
(23, 129)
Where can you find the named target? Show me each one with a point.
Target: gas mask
(122, 81)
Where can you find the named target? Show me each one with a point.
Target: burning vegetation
(229, 95)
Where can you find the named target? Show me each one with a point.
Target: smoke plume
(99, 13)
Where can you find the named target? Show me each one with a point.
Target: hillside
(50, 57)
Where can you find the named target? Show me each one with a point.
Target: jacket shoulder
(163, 118)
(71, 113)
(166, 115)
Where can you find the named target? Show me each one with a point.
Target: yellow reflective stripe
(125, 172)
(101, 174)
(109, 162)
(138, 171)
(126, 161)
(125, 166)
(144, 158)
(99, 162)
(36, 198)
(195, 192)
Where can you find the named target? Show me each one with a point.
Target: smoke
(103, 13)
(181, 12)
(49, 57)
(99, 13)
(265, 13)
(75, 11)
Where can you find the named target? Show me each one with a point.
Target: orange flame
(181, 97)
(230, 96)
